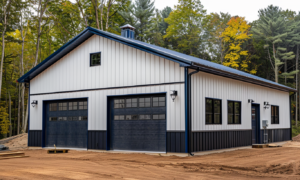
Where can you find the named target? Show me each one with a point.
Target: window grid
(73, 105)
(63, 106)
(119, 117)
(53, 107)
(82, 105)
(52, 118)
(144, 116)
(274, 114)
(159, 101)
(95, 59)
(234, 112)
(132, 117)
(145, 102)
(213, 111)
(131, 103)
(62, 118)
(119, 103)
(159, 116)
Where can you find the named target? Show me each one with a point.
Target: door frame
(44, 111)
(110, 114)
(257, 115)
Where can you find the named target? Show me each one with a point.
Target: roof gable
(182, 59)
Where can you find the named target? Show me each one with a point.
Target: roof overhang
(241, 78)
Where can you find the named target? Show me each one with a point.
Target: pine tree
(273, 29)
(139, 15)
(163, 24)
(154, 31)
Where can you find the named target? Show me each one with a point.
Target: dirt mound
(297, 138)
(18, 143)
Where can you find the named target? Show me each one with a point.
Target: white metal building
(104, 91)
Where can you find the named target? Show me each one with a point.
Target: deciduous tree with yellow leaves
(4, 121)
(235, 35)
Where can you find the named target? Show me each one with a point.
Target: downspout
(28, 115)
(188, 124)
(291, 136)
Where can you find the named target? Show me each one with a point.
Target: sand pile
(297, 138)
(18, 143)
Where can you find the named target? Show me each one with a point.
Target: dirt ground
(19, 143)
(269, 163)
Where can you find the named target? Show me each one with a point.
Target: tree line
(31, 30)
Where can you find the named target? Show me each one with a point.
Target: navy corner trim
(186, 108)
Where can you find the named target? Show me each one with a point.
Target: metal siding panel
(134, 67)
(130, 68)
(162, 70)
(173, 142)
(168, 142)
(35, 138)
(224, 88)
(182, 141)
(178, 142)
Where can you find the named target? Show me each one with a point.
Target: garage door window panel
(53, 107)
(119, 117)
(145, 117)
(62, 118)
(52, 118)
(63, 106)
(159, 101)
(131, 103)
(144, 102)
(82, 118)
(82, 105)
(73, 106)
(132, 117)
(119, 103)
(159, 116)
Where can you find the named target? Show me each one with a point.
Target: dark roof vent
(127, 31)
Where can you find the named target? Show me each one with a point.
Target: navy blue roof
(182, 59)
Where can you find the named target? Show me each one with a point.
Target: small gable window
(95, 59)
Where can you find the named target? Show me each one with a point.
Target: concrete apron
(202, 153)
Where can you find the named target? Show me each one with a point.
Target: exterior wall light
(173, 94)
(34, 103)
(250, 101)
(267, 105)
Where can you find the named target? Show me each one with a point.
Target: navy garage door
(139, 123)
(66, 124)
